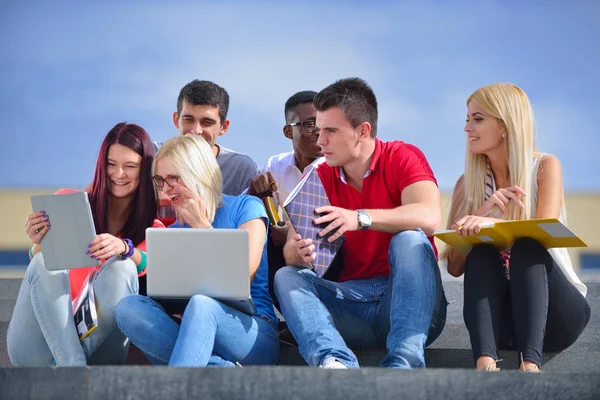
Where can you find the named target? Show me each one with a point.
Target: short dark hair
(204, 93)
(354, 97)
(306, 96)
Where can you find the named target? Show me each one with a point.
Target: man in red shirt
(385, 200)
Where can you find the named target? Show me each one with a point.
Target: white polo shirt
(287, 173)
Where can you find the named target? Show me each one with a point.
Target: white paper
(557, 230)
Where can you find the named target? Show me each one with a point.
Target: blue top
(235, 211)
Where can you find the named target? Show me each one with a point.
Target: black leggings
(536, 309)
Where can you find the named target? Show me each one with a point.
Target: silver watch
(364, 219)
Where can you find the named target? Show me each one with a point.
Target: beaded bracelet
(130, 248)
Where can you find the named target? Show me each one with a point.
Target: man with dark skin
(284, 171)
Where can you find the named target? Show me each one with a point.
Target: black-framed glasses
(170, 180)
(309, 125)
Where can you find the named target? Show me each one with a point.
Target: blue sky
(69, 71)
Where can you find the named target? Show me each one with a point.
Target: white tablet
(71, 230)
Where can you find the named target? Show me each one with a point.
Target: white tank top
(560, 255)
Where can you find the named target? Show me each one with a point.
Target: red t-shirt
(394, 166)
(77, 276)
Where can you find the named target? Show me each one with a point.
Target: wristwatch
(364, 219)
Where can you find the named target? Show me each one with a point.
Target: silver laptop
(182, 262)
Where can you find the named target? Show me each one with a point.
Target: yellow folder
(549, 232)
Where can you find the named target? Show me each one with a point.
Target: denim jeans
(403, 312)
(210, 334)
(42, 328)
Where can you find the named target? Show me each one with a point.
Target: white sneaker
(332, 363)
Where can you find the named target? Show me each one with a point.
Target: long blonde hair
(197, 168)
(511, 107)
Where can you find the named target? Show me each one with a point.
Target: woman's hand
(36, 226)
(191, 209)
(471, 224)
(501, 198)
(105, 246)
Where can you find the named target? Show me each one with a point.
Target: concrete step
(289, 383)
(9, 288)
(451, 350)
(4, 361)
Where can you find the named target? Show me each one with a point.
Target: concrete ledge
(451, 350)
(289, 383)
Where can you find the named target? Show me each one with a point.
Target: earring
(503, 135)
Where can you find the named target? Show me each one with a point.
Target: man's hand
(339, 218)
(279, 233)
(299, 252)
(191, 209)
(263, 185)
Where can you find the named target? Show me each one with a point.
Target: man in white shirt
(284, 171)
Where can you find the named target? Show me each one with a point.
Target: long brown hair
(144, 204)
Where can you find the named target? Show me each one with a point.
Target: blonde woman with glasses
(511, 298)
(210, 333)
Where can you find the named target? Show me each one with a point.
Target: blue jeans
(42, 328)
(211, 333)
(403, 312)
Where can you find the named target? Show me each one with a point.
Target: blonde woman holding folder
(511, 295)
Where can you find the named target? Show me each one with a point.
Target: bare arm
(455, 258)
(36, 248)
(550, 195)
(257, 232)
(464, 225)
(456, 262)
(421, 208)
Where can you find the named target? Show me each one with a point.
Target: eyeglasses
(309, 125)
(170, 180)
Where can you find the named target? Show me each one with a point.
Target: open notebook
(550, 232)
(300, 205)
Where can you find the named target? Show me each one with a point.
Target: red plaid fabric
(300, 209)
